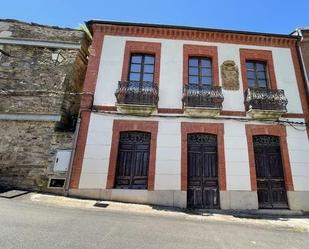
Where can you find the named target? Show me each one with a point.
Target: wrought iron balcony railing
(265, 99)
(137, 93)
(202, 96)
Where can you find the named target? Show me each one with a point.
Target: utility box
(62, 160)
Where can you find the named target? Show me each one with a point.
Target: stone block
(238, 200)
(298, 200)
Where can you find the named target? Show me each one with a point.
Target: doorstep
(257, 214)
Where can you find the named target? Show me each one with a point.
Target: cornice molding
(195, 35)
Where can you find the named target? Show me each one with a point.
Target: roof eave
(117, 23)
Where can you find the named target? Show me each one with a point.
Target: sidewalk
(287, 219)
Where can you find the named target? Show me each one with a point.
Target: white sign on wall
(62, 160)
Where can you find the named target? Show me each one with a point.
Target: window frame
(136, 47)
(210, 52)
(257, 55)
(142, 65)
(199, 67)
(255, 71)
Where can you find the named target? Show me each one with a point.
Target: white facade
(168, 152)
(168, 157)
(170, 90)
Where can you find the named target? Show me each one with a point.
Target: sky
(272, 16)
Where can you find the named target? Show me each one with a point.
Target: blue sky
(272, 16)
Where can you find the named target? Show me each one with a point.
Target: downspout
(303, 67)
(67, 182)
(304, 72)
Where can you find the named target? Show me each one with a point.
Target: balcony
(263, 103)
(137, 98)
(202, 100)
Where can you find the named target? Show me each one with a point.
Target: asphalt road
(34, 226)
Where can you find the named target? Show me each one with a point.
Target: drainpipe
(67, 182)
(303, 67)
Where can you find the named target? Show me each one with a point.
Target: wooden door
(203, 190)
(269, 172)
(133, 160)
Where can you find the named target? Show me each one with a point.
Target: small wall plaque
(230, 75)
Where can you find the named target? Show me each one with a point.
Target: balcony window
(200, 72)
(200, 97)
(139, 93)
(141, 68)
(256, 74)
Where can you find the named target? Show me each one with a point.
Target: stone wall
(31, 82)
(37, 81)
(27, 152)
(34, 31)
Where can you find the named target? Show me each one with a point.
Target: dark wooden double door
(133, 160)
(203, 190)
(269, 172)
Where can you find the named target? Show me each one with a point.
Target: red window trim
(210, 128)
(258, 55)
(273, 130)
(141, 47)
(201, 51)
(132, 125)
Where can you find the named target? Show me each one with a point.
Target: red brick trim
(95, 52)
(141, 47)
(130, 125)
(205, 51)
(195, 35)
(106, 108)
(80, 149)
(170, 110)
(273, 130)
(259, 55)
(293, 115)
(210, 128)
(110, 108)
(301, 86)
(233, 113)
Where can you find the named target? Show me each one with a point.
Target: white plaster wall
(96, 157)
(98, 145)
(171, 68)
(168, 161)
(233, 100)
(236, 156)
(298, 147)
(110, 71)
(170, 85)
(286, 79)
(168, 153)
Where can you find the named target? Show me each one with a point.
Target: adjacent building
(303, 49)
(42, 71)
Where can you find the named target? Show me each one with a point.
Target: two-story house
(192, 117)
